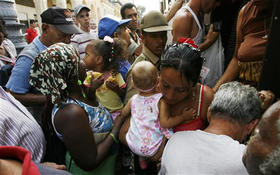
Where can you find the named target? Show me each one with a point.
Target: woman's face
(174, 86)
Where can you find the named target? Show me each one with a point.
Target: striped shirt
(19, 128)
(80, 41)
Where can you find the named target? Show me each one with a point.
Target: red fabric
(195, 124)
(15, 152)
(188, 41)
(31, 34)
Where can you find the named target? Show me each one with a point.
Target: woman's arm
(233, 68)
(72, 123)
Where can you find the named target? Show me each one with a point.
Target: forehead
(173, 77)
(130, 11)
(83, 12)
(155, 34)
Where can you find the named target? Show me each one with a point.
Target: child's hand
(267, 98)
(113, 85)
(97, 82)
(189, 113)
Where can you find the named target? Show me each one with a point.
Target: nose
(169, 94)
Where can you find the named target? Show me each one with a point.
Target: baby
(150, 120)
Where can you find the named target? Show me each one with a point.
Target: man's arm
(30, 99)
(182, 27)
(18, 84)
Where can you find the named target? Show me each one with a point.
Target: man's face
(83, 18)
(263, 142)
(124, 34)
(133, 15)
(56, 36)
(155, 41)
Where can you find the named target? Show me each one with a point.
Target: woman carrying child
(77, 119)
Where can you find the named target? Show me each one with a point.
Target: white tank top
(182, 12)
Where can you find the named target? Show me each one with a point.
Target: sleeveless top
(145, 134)
(99, 117)
(198, 39)
(198, 122)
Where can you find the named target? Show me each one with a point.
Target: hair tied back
(108, 39)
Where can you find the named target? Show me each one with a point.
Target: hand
(267, 97)
(189, 113)
(113, 85)
(54, 165)
(97, 82)
(138, 51)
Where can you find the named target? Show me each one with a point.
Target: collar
(21, 154)
(152, 57)
(39, 44)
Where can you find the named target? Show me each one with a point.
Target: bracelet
(114, 138)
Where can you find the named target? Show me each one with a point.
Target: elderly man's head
(238, 104)
(57, 26)
(263, 150)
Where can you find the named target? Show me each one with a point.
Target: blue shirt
(124, 67)
(19, 79)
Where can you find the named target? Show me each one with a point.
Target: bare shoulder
(69, 114)
(208, 94)
(184, 19)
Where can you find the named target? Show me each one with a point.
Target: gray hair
(271, 164)
(238, 102)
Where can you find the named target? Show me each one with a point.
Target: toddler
(101, 61)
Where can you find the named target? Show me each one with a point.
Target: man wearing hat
(57, 26)
(154, 36)
(80, 40)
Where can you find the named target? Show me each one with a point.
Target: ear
(99, 59)
(252, 125)
(208, 115)
(45, 27)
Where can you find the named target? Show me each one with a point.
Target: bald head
(263, 152)
(144, 75)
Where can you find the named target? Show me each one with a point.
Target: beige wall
(24, 12)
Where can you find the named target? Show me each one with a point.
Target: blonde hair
(144, 75)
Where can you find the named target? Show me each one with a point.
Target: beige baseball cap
(154, 21)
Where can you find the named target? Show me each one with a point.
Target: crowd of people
(139, 96)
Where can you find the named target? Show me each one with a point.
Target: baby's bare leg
(158, 155)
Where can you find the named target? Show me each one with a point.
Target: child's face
(90, 58)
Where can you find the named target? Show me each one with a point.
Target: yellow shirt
(106, 96)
